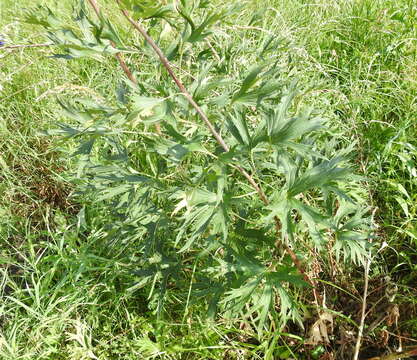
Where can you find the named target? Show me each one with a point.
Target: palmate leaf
(112, 181)
(276, 128)
(43, 16)
(263, 305)
(198, 221)
(197, 33)
(254, 98)
(85, 147)
(351, 232)
(177, 148)
(204, 84)
(325, 173)
(317, 223)
(112, 192)
(239, 128)
(257, 293)
(352, 246)
(252, 94)
(94, 40)
(236, 298)
(282, 208)
(203, 30)
(249, 81)
(76, 47)
(295, 128)
(280, 130)
(288, 308)
(277, 120)
(287, 165)
(206, 213)
(304, 150)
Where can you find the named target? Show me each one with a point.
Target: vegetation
(129, 231)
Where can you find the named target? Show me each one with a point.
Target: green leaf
(113, 192)
(286, 274)
(86, 147)
(239, 128)
(316, 222)
(43, 16)
(325, 173)
(288, 308)
(238, 297)
(199, 221)
(249, 81)
(201, 32)
(282, 209)
(282, 130)
(263, 305)
(403, 205)
(147, 9)
(277, 119)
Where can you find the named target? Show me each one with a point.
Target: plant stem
(363, 314)
(24, 46)
(165, 62)
(119, 56)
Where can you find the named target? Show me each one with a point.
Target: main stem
(221, 142)
(118, 56)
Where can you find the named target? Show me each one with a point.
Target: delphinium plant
(206, 163)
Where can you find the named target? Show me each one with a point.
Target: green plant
(232, 210)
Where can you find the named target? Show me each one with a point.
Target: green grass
(65, 296)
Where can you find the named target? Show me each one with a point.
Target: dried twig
(22, 46)
(363, 314)
(165, 62)
(395, 356)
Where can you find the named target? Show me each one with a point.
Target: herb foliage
(198, 227)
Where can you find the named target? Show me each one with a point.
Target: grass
(65, 297)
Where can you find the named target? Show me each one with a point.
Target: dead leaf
(327, 356)
(319, 332)
(393, 315)
(384, 337)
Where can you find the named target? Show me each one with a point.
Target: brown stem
(184, 91)
(406, 354)
(363, 312)
(220, 140)
(94, 5)
(24, 46)
(180, 85)
(119, 56)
